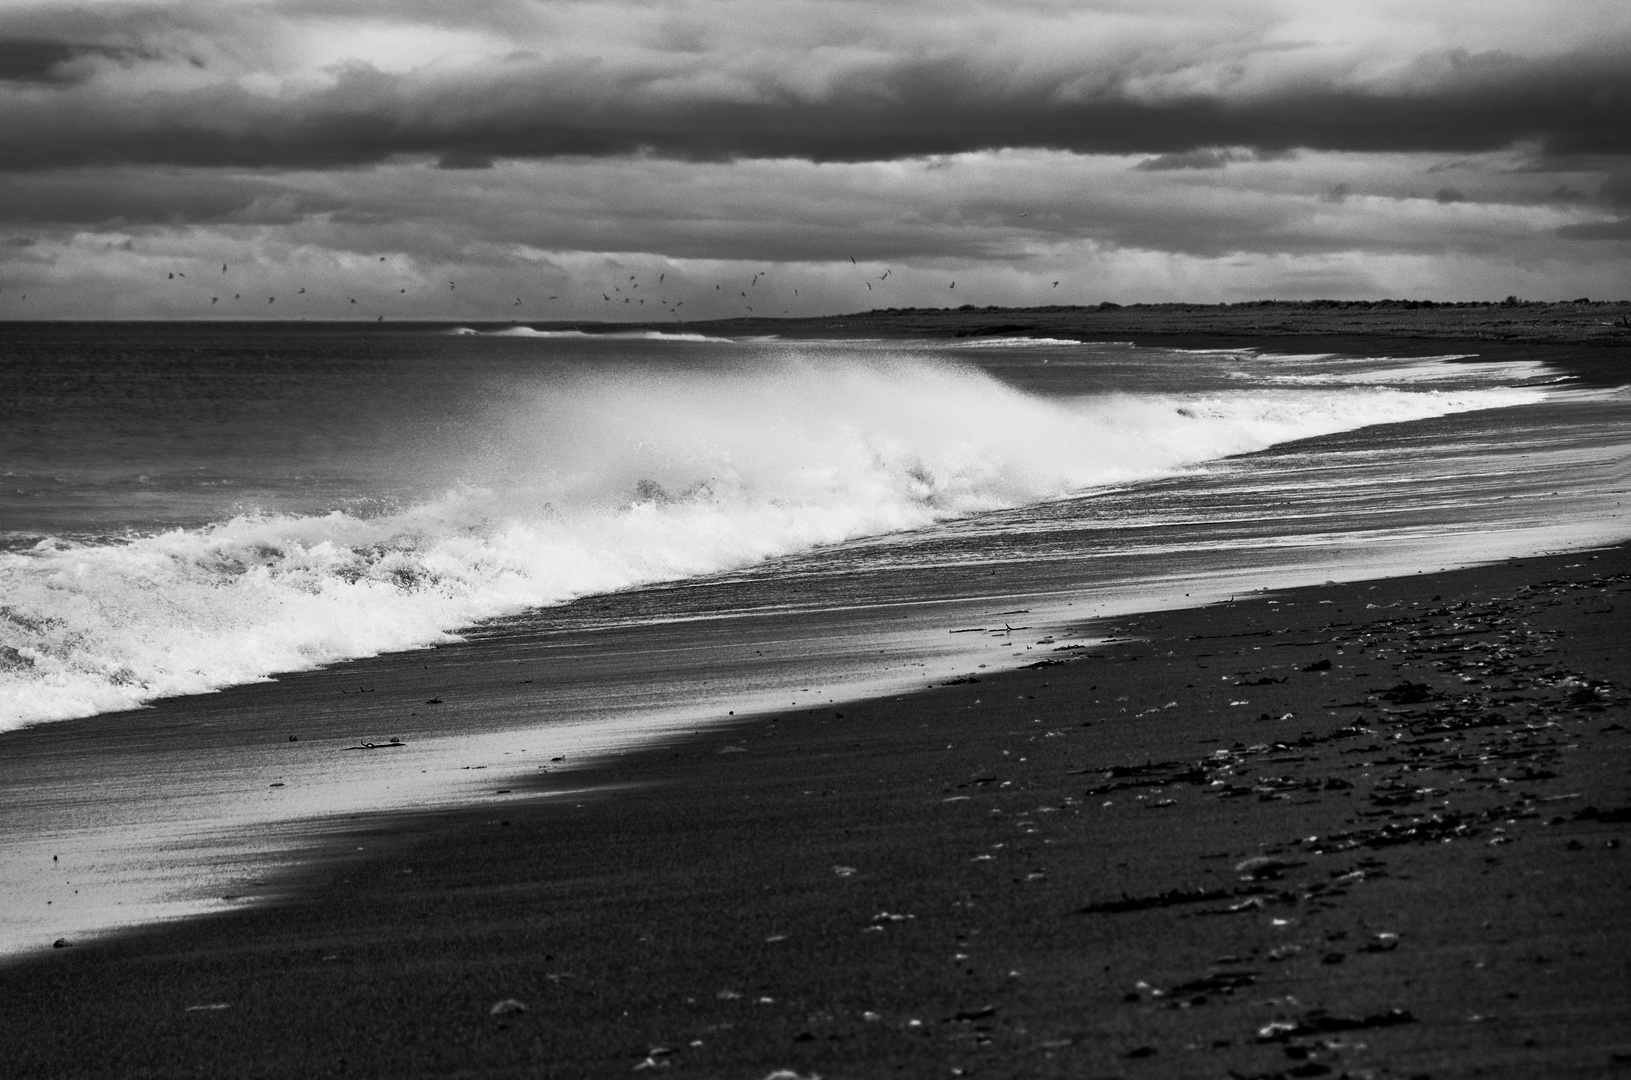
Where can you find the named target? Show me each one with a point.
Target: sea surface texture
(184, 508)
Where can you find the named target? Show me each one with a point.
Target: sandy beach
(1368, 829)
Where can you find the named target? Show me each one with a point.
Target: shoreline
(1052, 871)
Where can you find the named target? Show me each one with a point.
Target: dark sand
(1194, 851)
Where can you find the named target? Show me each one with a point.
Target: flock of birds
(624, 292)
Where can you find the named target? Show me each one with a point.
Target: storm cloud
(174, 85)
(1181, 149)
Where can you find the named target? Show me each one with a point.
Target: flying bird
(883, 275)
(171, 277)
(1056, 284)
(213, 299)
(223, 268)
(869, 286)
(852, 260)
(349, 298)
(953, 285)
(301, 289)
(660, 278)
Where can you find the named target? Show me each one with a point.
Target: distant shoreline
(1580, 322)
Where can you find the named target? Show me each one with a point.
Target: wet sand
(1373, 829)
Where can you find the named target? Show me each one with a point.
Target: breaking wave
(606, 481)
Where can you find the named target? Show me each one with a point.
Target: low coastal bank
(1373, 829)
(1393, 327)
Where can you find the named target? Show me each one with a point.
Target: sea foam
(606, 482)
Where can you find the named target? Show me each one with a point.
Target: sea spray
(602, 480)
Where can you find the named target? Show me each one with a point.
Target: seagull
(223, 268)
(349, 298)
(213, 299)
(852, 260)
(1056, 284)
(953, 285)
(302, 288)
(660, 278)
(869, 286)
(271, 299)
(606, 298)
(517, 300)
(450, 285)
(171, 277)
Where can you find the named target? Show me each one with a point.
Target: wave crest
(602, 483)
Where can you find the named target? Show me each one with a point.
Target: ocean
(656, 530)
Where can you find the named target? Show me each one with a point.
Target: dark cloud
(122, 198)
(459, 159)
(24, 61)
(1208, 158)
(523, 106)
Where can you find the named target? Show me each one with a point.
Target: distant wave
(607, 481)
(630, 335)
(1019, 342)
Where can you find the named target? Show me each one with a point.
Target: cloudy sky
(496, 159)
